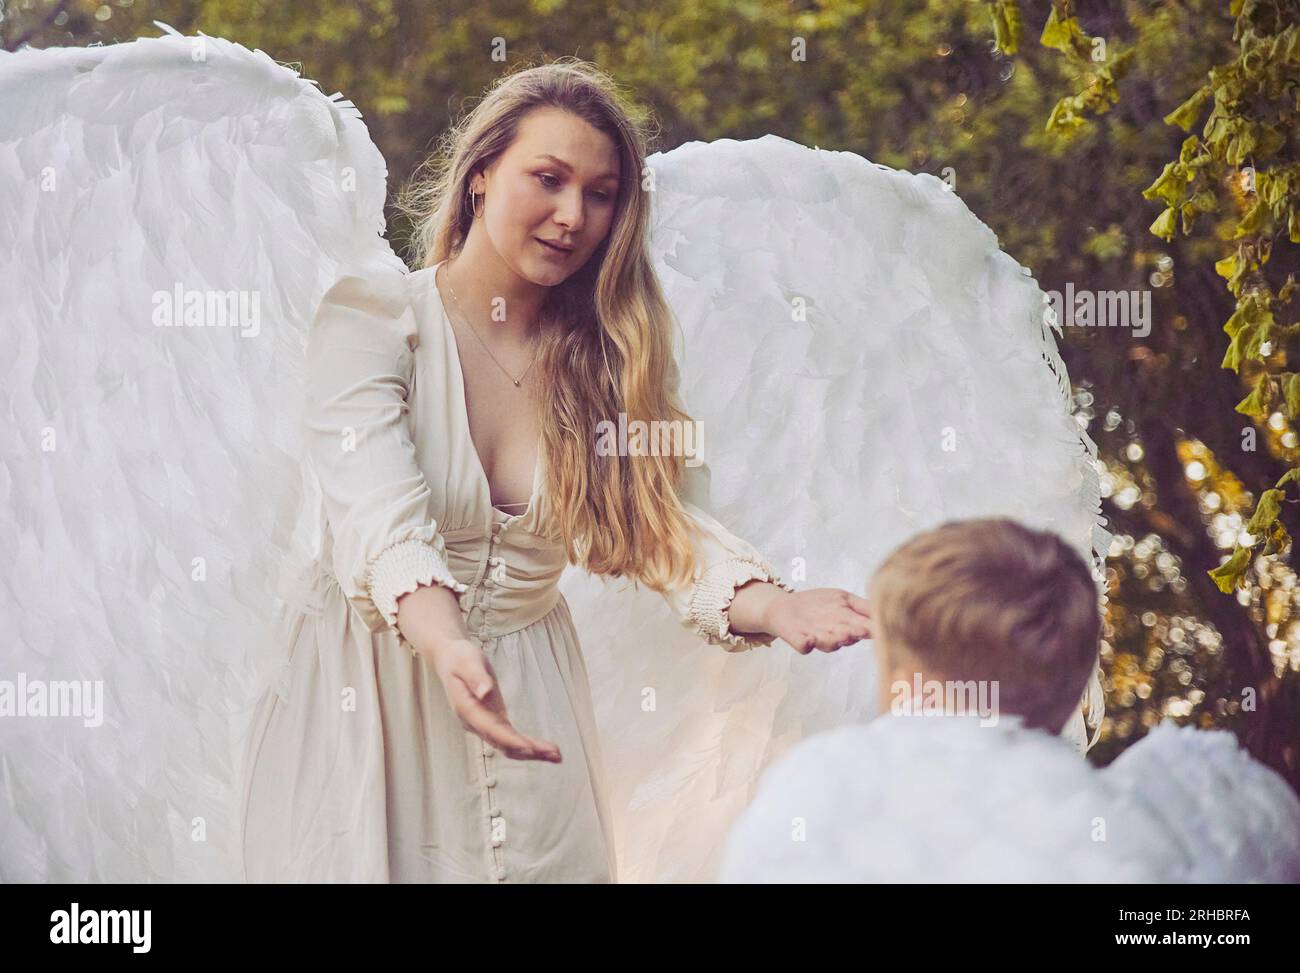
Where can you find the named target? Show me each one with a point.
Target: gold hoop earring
(473, 200)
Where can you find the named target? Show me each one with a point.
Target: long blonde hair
(605, 333)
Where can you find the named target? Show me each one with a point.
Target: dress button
(491, 780)
(488, 752)
(496, 842)
(500, 874)
(495, 813)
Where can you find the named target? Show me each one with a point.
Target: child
(986, 633)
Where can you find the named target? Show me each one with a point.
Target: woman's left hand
(825, 619)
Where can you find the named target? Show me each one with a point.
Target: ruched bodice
(512, 576)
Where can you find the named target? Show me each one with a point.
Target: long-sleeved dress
(356, 768)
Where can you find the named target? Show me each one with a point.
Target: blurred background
(1050, 123)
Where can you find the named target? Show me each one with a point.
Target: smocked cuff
(711, 602)
(400, 570)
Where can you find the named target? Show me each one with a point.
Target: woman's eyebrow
(568, 168)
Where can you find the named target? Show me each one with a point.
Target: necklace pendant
(516, 381)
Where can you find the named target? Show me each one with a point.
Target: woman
(453, 422)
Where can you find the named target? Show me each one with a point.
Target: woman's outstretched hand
(825, 619)
(430, 619)
(471, 687)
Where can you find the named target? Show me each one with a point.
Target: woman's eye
(543, 176)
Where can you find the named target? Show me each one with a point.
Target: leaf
(1202, 202)
(1007, 24)
(1293, 396)
(1278, 538)
(1190, 148)
(1253, 222)
(1256, 405)
(1234, 270)
(1065, 36)
(1163, 227)
(1266, 511)
(1227, 576)
(1170, 185)
(1065, 118)
(1186, 114)
(1273, 187)
(1238, 327)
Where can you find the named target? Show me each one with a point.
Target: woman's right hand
(472, 691)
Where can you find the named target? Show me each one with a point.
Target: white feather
(935, 799)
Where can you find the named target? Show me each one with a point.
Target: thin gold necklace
(461, 311)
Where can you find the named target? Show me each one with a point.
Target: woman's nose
(570, 212)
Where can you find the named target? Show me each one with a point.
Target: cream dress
(356, 769)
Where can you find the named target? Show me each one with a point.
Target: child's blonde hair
(991, 599)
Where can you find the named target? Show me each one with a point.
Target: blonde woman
(453, 418)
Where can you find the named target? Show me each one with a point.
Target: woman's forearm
(748, 613)
(429, 617)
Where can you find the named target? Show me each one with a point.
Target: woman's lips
(554, 251)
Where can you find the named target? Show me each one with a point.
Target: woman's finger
(497, 730)
(843, 635)
(477, 673)
(859, 604)
(855, 624)
(487, 719)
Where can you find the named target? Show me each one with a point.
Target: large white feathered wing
(171, 211)
(866, 363)
(1237, 819)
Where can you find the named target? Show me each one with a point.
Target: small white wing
(941, 800)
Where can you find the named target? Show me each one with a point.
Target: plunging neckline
(485, 487)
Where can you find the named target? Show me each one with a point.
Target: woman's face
(557, 182)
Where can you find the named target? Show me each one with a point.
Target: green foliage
(1242, 173)
(1253, 118)
(1007, 24)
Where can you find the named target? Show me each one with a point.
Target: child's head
(990, 600)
